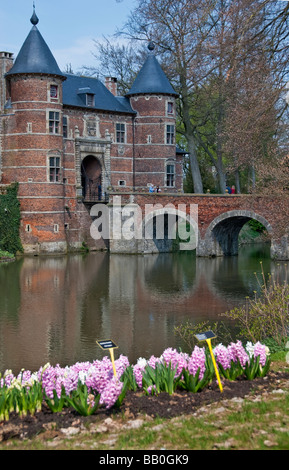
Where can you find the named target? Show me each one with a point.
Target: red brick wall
(25, 157)
(151, 155)
(212, 206)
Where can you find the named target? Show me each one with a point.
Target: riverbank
(249, 236)
(248, 415)
(5, 257)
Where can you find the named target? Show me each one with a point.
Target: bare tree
(209, 50)
(226, 59)
(179, 29)
(116, 60)
(253, 124)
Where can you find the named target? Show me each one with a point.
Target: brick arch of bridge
(221, 237)
(165, 226)
(218, 216)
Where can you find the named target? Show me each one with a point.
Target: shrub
(267, 314)
(6, 254)
(10, 221)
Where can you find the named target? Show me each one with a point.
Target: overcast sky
(68, 26)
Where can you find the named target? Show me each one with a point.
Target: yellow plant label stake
(108, 344)
(208, 336)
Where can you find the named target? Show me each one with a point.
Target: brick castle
(69, 140)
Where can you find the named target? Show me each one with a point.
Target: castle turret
(33, 153)
(153, 98)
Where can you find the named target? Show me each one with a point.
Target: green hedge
(10, 220)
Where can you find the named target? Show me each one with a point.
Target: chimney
(111, 85)
(6, 62)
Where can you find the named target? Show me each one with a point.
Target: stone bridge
(216, 221)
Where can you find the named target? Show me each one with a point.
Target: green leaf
(56, 403)
(81, 400)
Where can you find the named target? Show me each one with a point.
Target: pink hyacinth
(176, 359)
(197, 360)
(237, 351)
(111, 392)
(7, 378)
(170, 355)
(222, 356)
(96, 376)
(260, 350)
(137, 370)
(153, 360)
(121, 364)
(100, 374)
(51, 380)
(151, 389)
(182, 360)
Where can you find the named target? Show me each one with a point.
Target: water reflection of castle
(64, 304)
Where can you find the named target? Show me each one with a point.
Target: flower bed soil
(137, 404)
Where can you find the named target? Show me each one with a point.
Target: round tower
(153, 98)
(33, 154)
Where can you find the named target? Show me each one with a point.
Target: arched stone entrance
(91, 179)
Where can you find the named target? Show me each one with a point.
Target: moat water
(54, 309)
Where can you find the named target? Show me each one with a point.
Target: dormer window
(87, 96)
(89, 99)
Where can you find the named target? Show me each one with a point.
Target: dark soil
(137, 404)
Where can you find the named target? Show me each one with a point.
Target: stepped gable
(151, 79)
(35, 56)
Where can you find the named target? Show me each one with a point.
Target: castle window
(54, 169)
(170, 107)
(54, 91)
(54, 121)
(65, 126)
(170, 134)
(89, 99)
(170, 175)
(120, 133)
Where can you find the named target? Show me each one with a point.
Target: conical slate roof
(35, 56)
(151, 79)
